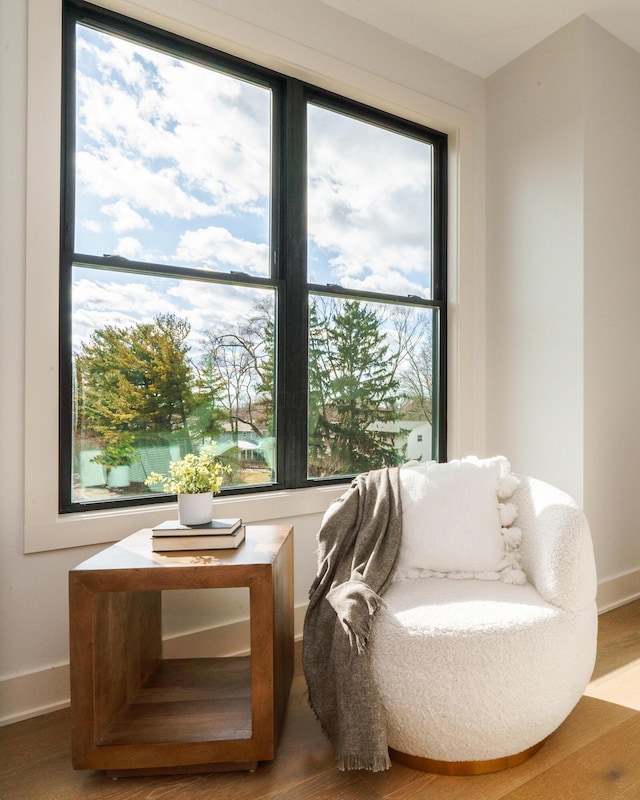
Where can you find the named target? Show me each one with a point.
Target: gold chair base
(458, 768)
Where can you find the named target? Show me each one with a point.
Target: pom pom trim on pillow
(508, 567)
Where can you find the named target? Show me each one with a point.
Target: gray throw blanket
(358, 544)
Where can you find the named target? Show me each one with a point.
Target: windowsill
(106, 526)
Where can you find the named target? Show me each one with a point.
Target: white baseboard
(37, 693)
(33, 694)
(618, 591)
(41, 692)
(224, 640)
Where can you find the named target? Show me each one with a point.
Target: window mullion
(66, 244)
(440, 227)
(292, 402)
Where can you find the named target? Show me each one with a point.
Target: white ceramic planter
(119, 477)
(194, 509)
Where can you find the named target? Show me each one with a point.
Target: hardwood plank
(591, 720)
(622, 686)
(618, 639)
(632, 793)
(333, 784)
(401, 782)
(34, 740)
(604, 770)
(185, 721)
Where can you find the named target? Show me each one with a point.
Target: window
(246, 261)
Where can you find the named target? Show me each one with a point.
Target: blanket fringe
(376, 764)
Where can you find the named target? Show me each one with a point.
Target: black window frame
(288, 257)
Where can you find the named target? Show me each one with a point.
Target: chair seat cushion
(472, 670)
(441, 608)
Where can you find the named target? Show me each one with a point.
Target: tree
(136, 384)
(353, 389)
(259, 332)
(241, 363)
(163, 374)
(208, 415)
(414, 333)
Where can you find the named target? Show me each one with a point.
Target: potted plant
(116, 457)
(195, 479)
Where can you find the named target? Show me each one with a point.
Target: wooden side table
(133, 712)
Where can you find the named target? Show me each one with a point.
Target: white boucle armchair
(474, 673)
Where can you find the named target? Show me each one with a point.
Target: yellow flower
(193, 474)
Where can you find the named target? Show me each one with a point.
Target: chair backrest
(556, 549)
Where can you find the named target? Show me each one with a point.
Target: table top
(261, 546)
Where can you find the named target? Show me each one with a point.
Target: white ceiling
(484, 35)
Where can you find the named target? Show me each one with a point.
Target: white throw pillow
(455, 521)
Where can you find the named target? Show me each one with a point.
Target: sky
(173, 167)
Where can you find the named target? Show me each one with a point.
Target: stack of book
(217, 534)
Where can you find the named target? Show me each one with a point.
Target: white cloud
(136, 298)
(110, 174)
(91, 225)
(164, 142)
(125, 218)
(86, 321)
(217, 307)
(216, 248)
(368, 198)
(99, 303)
(129, 247)
(387, 281)
(130, 300)
(170, 137)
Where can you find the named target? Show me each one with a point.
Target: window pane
(163, 367)
(370, 385)
(369, 206)
(173, 160)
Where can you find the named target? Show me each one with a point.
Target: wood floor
(595, 755)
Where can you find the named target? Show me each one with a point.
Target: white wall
(535, 135)
(612, 296)
(563, 374)
(303, 38)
